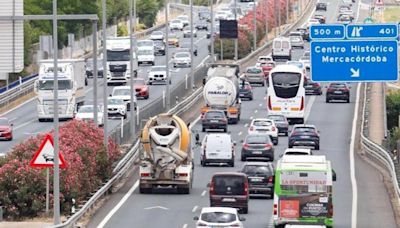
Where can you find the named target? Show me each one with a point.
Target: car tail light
(145, 174)
(317, 85)
(271, 179)
(267, 146)
(201, 224)
(246, 188)
(269, 103)
(302, 103)
(246, 146)
(251, 128)
(232, 110)
(273, 128)
(235, 225)
(212, 188)
(183, 174)
(330, 211)
(275, 209)
(346, 90)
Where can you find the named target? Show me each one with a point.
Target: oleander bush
(23, 189)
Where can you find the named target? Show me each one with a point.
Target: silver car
(296, 40)
(254, 75)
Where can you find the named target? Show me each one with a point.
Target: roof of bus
(303, 162)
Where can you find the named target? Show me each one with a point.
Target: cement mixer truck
(221, 90)
(166, 157)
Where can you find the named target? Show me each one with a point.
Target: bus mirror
(333, 175)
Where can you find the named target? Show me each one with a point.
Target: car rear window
(258, 169)
(264, 123)
(229, 185)
(218, 217)
(253, 70)
(276, 118)
(277, 44)
(214, 115)
(258, 139)
(304, 129)
(285, 44)
(337, 86)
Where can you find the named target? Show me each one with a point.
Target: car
(184, 19)
(264, 126)
(304, 135)
(281, 123)
(344, 8)
(157, 35)
(344, 19)
(297, 151)
(141, 88)
(257, 146)
(266, 68)
(182, 59)
(312, 21)
(89, 68)
(219, 217)
(214, 119)
(245, 90)
(321, 6)
(6, 129)
(145, 54)
(229, 189)
(176, 24)
(157, 74)
(185, 46)
(116, 107)
(296, 40)
(305, 59)
(304, 33)
(261, 176)
(187, 32)
(221, 15)
(312, 88)
(86, 113)
(263, 59)
(173, 40)
(347, 11)
(145, 43)
(254, 75)
(321, 18)
(123, 93)
(202, 25)
(159, 47)
(281, 48)
(205, 14)
(338, 91)
(217, 148)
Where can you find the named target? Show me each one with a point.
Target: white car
(312, 21)
(221, 15)
(176, 24)
(306, 62)
(219, 217)
(187, 32)
(86, 113)
(184, 19)
(264, 126)
(116, 107)
(264, 59)
(182, 59)
(157, 74)
(157, 35)
(145, 54)
(123, 93)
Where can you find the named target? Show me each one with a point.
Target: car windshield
(3, 122)
(121, 92)
(89, 63)
(218, 217)
(304, 129)
(158, 68)
(86, 109)
(176, 21)
(253, 70)
(182, 55)
(263, 123)
(298, 64)
(213, 115)
(276, 117)
(118, 55)
(229, 185)
(48, 85)
(286, 84)
(258, 139)
(258, 169)
(115, 101)
(268, 64)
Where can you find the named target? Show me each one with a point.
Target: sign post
(354, 53)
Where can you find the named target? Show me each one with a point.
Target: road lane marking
(185, 226)
(23, 125)
(308, 108)
(255, 111)
(265, 98)
(195, 208)
(18, 106)
(251, 117)
(12, 119)
(118, 206)
(246, 125)
(32, 133)
(197, 41)
(240, 133)
(203, 193)
(260, 104)
(352, 168)
(156, 207)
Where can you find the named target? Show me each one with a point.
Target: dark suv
(338, 91)
(304, 135)
(312, 88)
(230, 189)
(214, 119)
(321, 6)
(257, 146)
(261, 177)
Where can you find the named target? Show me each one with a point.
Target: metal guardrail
(375, 150)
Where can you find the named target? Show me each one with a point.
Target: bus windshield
(286, 84)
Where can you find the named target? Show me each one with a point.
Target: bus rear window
(285, 84)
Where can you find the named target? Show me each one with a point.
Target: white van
(145, 54)
(281, 48)
(218, 148)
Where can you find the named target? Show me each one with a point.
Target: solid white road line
(251, 117)
(203, 193)
(240, 133)
(120, 203)
(352, 168)
(308, 108)
(23, 125)
(18, 106)
(185, 226)
(246, 125)
(195, 208)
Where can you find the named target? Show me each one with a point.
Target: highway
(25, 119)
(362, 199)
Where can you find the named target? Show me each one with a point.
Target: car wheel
(203, 129)
(316, 147)
(242, 158)
(245, 210)
(150, 83)
(276, 141)
(290, 146)
(145, 190)
(348, 100)
(327, 100)
(147, 97)
(286, 133)
(225, 129)
(232, 163)
(251, 98)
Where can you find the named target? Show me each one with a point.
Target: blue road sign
(372, 31)
(327, 31)
(354, 60)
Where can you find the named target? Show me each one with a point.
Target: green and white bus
(303, 191)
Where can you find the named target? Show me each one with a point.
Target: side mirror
(242, 219)
(333, 175)
(110, 95)
(208, 185)
(12, 125)
(196, 218)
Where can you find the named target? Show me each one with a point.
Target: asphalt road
(25, 119)
(334, 120)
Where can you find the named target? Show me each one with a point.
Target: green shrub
(392, 109)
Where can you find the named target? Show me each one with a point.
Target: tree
(147, 11)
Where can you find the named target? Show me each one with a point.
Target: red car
(267, 67)
(141, 88)
(6, 129)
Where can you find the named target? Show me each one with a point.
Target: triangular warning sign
(44, 157)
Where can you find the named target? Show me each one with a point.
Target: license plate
(337, 92)
(257, 152)
(212, 154)
(214, 121)
(228, 200)
(304, 137)
(241, 95)
(256, 179)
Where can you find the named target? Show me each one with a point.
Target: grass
(391, 14)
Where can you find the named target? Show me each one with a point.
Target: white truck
(118, 60)
(166, 156)
(71, 88)
(221, 90)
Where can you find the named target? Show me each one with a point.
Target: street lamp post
(236, 39)
(255, 26)
(212, 31)
(167, 92)
(191, 46)
(132, 111)
(105, 114)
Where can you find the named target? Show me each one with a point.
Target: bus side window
(333, 175)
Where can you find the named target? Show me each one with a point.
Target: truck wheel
(232, 163)
(145, 190)
(275, 141)
(245, 210)
(203, 129)
(184, 190)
